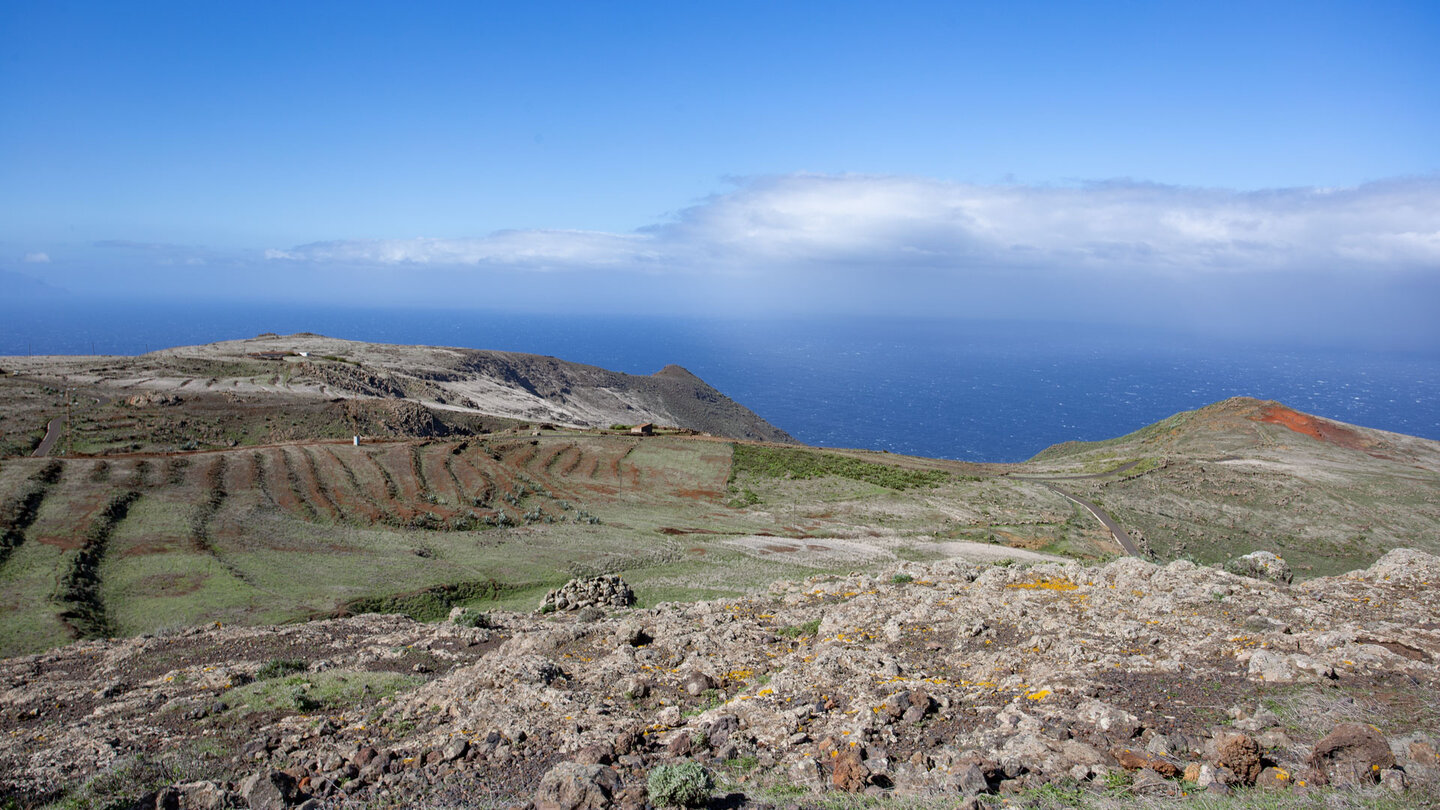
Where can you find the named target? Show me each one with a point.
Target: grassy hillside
(271, 530)
(295, 530)
(1242, 475)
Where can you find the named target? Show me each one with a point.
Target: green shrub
(431, 604)
(784, 462)
(280, 667)
(902, 579)
(474, 618)
(745, 497)
(799, 630)
(687, 784)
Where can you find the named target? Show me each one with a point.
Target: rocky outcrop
(1352, 754)
(1261, 565)
(607, 591)
(572, 786)
(952, 681)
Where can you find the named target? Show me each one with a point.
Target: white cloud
(36, 258)
(888, 223)
(538, 249)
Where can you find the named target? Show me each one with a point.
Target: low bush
(686, 784)
(474, 618)
(280, 667)
(799, 630)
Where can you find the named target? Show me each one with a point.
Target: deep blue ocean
(964, 389)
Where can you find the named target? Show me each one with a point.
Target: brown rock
(270, 790)
(1273, 778)
(850, 774)
(970, 780)
(1394, 780)
(1352, 754)
(627, 741)
(631, 798)
(595, 754)
(1148, 782)
(696, 683)
(897, 704)
(572, 786)
(1241, 754)
(1133, 760)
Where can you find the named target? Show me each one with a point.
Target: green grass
(806, 630)
(280, 667)
(434, 603)
(709, 699)
(27, 583)
(786, 462)
(319, 691)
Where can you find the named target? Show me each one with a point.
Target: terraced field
(119, 545)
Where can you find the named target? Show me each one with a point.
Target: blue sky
(836, 155)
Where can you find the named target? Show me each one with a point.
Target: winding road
(1121, 536)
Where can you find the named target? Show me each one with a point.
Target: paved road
(52, 431)
(1120, 535)
(52, 435)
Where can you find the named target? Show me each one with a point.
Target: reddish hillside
(1316, 428)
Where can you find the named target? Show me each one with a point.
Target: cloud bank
(862, 222)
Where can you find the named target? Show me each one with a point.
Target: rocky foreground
(972, 682)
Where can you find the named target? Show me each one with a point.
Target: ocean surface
(963, 389)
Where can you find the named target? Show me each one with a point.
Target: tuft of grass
(742, 765)
(280, 667)
(743, 498)
(474, 618)
(800, 630)
(902, 579)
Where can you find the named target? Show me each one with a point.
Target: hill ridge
(513, 385)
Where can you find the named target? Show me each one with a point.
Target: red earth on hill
(1315, 428)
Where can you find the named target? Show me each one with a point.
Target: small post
(357, 441)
